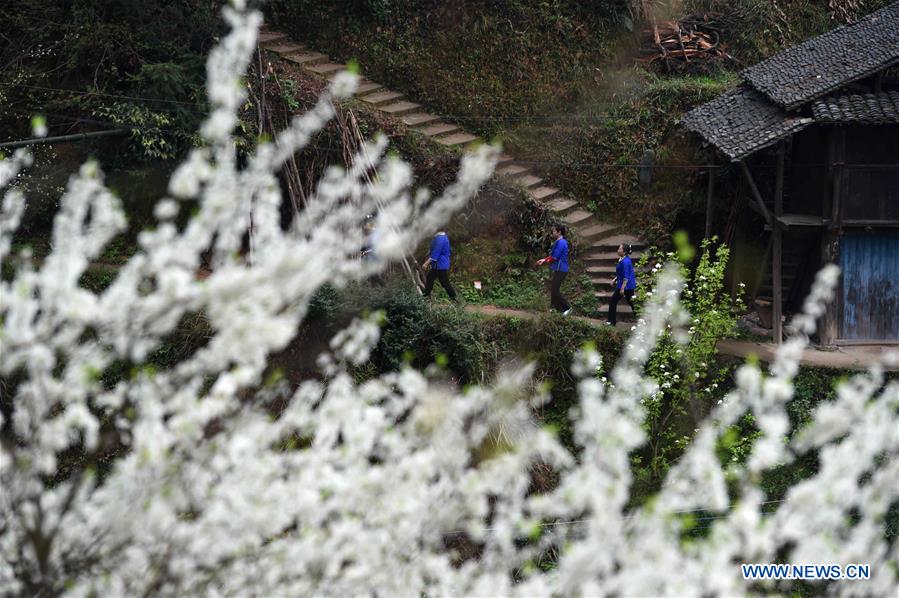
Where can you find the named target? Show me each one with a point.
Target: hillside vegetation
(560, 83)
(89, 65)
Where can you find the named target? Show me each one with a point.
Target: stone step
(326, 67)
(284, 47)
(623, 311)
(456, 139)
(576, 217)
(399, 108)
(561, 205)
(612, 243)
(439, 129)
(611, 262)
(607, 271)
(271, 36)
(419, 118)
(601, 256)
(504, 158)
(511, 170)
(382, 97)
(528, 180)
(307, 58)
(543, 192)
(598, 231)
(604, 292)
(603, 288)
(368, 87)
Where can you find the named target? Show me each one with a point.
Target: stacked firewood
(687, 44)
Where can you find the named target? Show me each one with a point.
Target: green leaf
(685, 251)
(352, 66)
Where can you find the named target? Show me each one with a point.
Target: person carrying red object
(558, 264)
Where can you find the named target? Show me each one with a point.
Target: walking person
(558, 265)
(369, 254)
(625, 282)
(438, 265)
(371, 240)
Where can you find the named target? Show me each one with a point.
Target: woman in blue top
(558, 264)
(438, 265)
(625, 282)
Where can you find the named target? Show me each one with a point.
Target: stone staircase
(603, 238)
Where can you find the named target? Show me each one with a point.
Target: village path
(492, 310)
(850, 357)
(845, 357)
(601, 238)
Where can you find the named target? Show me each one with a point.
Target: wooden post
(777, 249)
(708, 202)
(830, 253)
(760, 279)
(758, 196)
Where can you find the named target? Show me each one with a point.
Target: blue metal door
(870, 264)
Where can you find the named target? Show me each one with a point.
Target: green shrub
(469, 347)
(755, 29)
(127, 62)
(686, 369)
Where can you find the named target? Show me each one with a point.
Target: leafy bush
(619, 126)
(534, 223)
(756, 29)
(684, 364)
(470, 346)
(126, 62)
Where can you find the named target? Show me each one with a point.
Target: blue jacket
(368, 249)
(624, 270)
(559, 253)
(440, 251)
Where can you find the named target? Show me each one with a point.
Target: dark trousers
(613, 303)
(443, 277)
(555, 294)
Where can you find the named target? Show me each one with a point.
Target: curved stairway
(603, 238)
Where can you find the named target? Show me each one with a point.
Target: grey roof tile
(742, 121)
(824, 63)
(865, 108)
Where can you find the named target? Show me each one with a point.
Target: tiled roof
(822, 64)
(869, 108)
(742, 121)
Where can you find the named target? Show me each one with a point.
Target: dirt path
(851, 357)
(492, 310)
(856, 357)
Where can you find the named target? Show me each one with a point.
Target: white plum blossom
(206, 477)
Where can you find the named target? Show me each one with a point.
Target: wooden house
(819, 124)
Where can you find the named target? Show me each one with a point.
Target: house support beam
(777, 248)
(757, 196)
(710, 193)
(831, 250)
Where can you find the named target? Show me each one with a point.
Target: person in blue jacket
(438, 265)
(558, 264)
(625, 282)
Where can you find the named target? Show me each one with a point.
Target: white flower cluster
(200, 479)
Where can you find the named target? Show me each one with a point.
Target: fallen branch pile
(685, 44)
